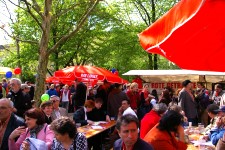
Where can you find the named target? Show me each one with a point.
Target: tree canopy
(52, 34)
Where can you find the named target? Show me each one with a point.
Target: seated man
(127, 127)
(126, 109)
(57, 111)
(98, 114)
(8, 122)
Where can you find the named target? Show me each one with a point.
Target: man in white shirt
(126, 109)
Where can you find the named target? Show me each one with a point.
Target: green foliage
(107, 39)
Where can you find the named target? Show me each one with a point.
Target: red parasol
(89, 74)
(191, 34)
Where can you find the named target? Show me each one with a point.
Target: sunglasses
(54, 101)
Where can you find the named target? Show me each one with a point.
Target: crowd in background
(150, 119)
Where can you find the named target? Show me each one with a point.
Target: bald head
(7, 102)
(6, 108)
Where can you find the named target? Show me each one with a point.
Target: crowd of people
(145, 120)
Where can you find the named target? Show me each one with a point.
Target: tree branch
(31, 14)
(79, 25)
(16, 5)
(37, 8)
(16, 38)
(146, 12)
(143, 18)
(64, 11)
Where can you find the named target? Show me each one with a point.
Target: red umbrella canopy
(191, 34)
(89, 74)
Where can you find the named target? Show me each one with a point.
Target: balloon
(17, 70)
(8, 74)
(113, 70)
(116, 73)
(44, 97)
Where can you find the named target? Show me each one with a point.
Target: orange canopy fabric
(191, 34)
(88, 74)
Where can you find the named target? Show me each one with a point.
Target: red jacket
(161, 140)
(134, 99)
(148, 122)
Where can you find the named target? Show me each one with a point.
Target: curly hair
(64, 125)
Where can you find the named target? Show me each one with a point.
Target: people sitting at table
(36, 128)
(163, 135)
(80, 115)
(57, 111)
(212, 113)
(179, 110)
(66, 135)
(127, 127)
(8, 122)
(126, 109)
(47, 108)
(98, 114)
(152, 118)
(217, 132)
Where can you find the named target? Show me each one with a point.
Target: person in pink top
(36, 128)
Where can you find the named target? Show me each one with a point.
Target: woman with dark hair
(165, 97)
(66, 135)
(47, 108)
(163, 135)
(155, 94)
(36, 128)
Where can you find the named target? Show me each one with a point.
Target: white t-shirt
(129, 111)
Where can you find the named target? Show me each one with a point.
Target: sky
(4, 21)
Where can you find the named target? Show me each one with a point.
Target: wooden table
(89, 132)
(191, 145)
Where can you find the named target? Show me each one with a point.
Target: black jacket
(79, 116)
(14, 122)
(21, 101)
(80, 95)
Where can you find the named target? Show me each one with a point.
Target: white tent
(178, 75)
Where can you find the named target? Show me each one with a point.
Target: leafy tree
(43, 14)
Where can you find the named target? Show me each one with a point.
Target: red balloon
(17, 70)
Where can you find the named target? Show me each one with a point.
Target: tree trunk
(150, 62)
(43, 52)
(40, 79)
(155, 61)
(18, 58)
